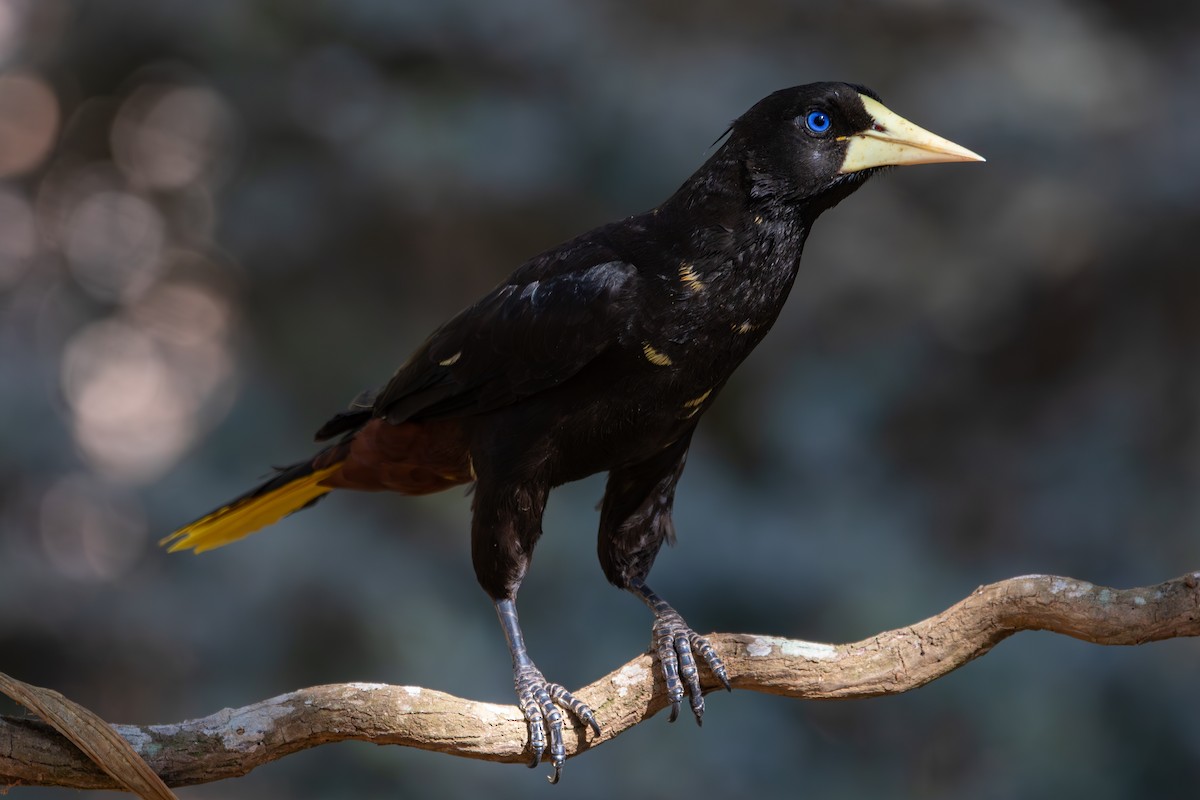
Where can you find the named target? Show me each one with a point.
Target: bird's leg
(540, 700)
(677, 645)
(505, 527)
(635, 521)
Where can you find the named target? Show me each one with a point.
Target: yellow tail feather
(244, 517)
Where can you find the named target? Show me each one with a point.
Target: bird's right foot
(543, 703)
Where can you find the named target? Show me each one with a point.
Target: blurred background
(219, 221)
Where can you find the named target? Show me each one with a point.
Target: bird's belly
(630, 424)
(607, 416)
(613, 443)
(559, 442)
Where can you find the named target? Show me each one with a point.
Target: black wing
(536, 330)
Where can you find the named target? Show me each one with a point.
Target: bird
(602, 354)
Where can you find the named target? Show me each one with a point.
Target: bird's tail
(293, 488)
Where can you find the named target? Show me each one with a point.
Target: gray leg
(505, 528)
(635, 520)
(540, 700)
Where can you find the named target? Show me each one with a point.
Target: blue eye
(817, 121)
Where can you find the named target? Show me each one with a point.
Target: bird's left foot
(677, 646)
(540, 702)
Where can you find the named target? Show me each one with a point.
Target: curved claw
(578, 708)
(557, 774)
(589, 719)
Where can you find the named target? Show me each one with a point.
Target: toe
(669, 662)
(554, 724)
(579, 709)
(707, 652)
(690, 675)
(537, 737)
(529, 693)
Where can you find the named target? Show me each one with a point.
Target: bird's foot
(677, 646)
(542, 703)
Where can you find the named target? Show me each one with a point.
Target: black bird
(598, 355)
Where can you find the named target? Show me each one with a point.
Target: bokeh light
(89, 531)
(18, 236)
(137, 385)
(11, 23)
(28, 122)
(113, 243)
(115, 253)
(166, 136)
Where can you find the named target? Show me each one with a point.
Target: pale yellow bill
(894, 141)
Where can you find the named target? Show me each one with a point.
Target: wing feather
(542, 326)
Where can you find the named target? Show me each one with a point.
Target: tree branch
(232, 742)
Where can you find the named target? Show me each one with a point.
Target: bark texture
(232, 742)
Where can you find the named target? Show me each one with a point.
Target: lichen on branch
(232, 742)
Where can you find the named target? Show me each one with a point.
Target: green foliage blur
(220, 220)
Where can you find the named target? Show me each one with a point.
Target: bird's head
(818, 142)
